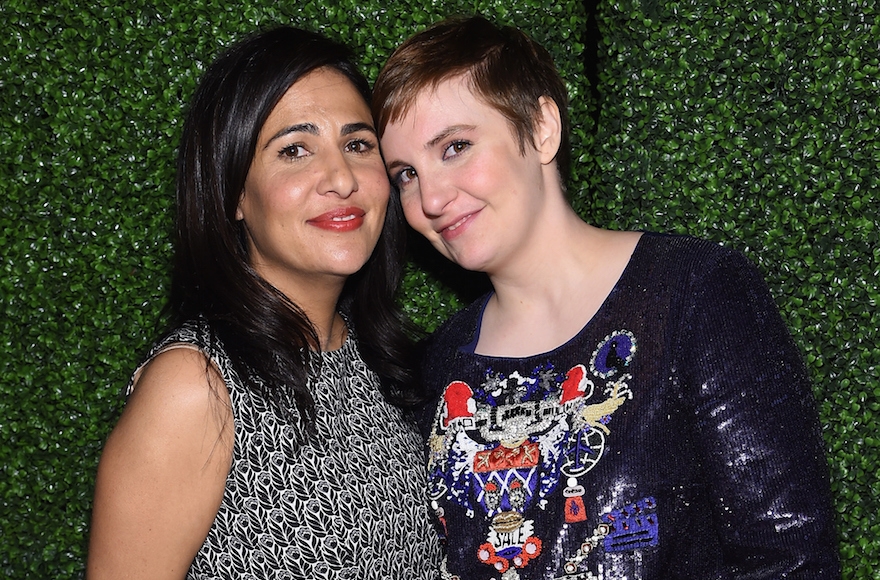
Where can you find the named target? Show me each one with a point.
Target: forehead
(321, 79)
(323, 92)
(450, 101)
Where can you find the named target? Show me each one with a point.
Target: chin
(348, 264)
(472, 262)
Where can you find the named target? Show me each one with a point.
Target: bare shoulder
(163, 470)
(179, 399)
(179, 379)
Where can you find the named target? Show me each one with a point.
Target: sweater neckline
(631, 265)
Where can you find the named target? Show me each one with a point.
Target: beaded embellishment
(500, 448)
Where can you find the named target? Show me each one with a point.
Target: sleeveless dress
(346, 504)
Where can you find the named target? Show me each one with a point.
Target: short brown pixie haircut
(507, 70)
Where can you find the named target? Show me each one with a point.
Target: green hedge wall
(753, 125)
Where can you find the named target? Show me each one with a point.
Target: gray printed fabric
(347, 504)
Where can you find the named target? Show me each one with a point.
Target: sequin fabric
(674, 437)
(347, 504)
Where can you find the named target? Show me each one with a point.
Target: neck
(555, 261)
(331, 331)
(318, 297)
(320, 309)
(552, 296)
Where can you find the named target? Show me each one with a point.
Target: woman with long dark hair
(266, 434)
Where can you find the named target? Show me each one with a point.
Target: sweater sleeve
(756, 428)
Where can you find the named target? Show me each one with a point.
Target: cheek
(373, 194)
(274, 194)
(412, 211)
(483, 173)
(374, 182)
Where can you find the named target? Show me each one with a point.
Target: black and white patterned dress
(347, 504)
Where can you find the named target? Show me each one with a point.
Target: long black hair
(268, 337)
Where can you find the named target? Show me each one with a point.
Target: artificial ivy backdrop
(752, 123)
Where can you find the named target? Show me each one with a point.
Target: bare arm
(163, 471)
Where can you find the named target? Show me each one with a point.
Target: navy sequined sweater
(674, 437)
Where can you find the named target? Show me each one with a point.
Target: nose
(337, 176)
(434, 195)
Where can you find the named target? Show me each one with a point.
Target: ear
(239, 215)
(548, 130)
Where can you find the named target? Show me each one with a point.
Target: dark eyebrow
(298, 128)
(312, 129)
(357, 127)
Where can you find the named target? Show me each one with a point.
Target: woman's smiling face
(316, 194)
(464, 183)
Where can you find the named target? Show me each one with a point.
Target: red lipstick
(343, 219)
